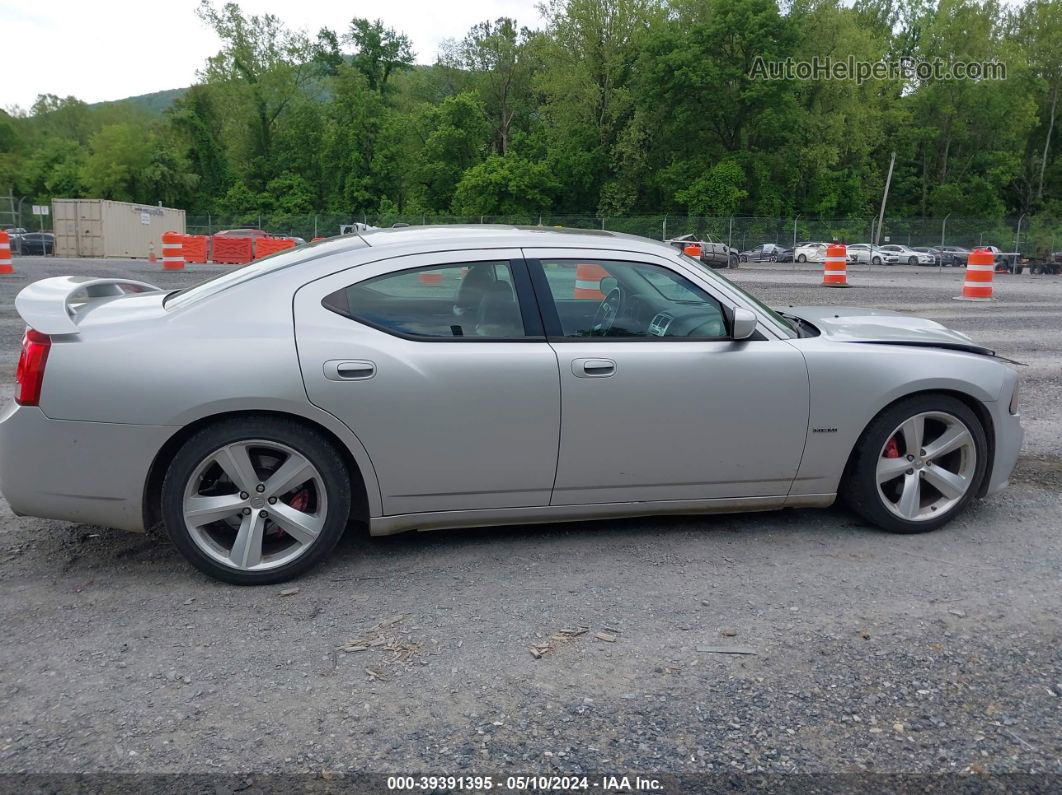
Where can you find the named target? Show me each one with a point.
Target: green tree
(509, 185)
(378, 51)
(499, 65)
(116, 168)
(262, 68)
(455, 136)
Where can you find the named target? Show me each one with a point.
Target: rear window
(239, 275)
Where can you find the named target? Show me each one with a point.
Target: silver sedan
(421, 378)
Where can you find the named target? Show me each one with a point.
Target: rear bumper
(85, 472)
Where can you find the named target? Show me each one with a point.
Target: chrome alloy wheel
(255, 505)
(926, 466)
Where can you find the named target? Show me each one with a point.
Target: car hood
(856, 324)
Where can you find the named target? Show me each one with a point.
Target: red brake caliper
(299, 501)
(892, 450)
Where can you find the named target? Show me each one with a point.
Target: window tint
(463, 300)
(604, 298)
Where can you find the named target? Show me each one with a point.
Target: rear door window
(476, 300)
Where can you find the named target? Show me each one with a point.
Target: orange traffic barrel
(6, 266)
(588, 282)
(692, 251)
(835, 270)
(172, 251)
(977, 286)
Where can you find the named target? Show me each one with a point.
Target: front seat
(474, 287)
(499, 315)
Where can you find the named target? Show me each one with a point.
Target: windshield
(239, 275)
(783, 325)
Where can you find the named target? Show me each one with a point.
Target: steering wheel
(606, 313)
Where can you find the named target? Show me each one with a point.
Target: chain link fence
(1030, 235)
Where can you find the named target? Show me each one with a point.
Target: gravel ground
(870, 652)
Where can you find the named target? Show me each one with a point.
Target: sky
(111, 49)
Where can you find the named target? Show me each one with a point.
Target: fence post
(730, 236)
(794, 239)
(664, 228)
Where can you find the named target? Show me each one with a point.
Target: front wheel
(917, 465)
(733, 261)
(912, 260)
(876, 260)
(254, 501)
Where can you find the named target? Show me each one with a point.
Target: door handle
(349, 369)
(593, 368)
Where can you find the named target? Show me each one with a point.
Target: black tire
(912, 260)
(306, 441)
(802, 258)
(733, 261)
(876, 261)
(859, 487)
(743, 258)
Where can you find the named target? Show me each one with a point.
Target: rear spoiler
(48, 305)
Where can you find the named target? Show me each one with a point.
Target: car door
(439, 365)
(651, 416)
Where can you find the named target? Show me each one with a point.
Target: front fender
(852, 382)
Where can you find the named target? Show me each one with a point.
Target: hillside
(155, 102)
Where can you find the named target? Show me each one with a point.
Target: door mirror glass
(744, 323)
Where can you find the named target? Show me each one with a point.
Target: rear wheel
(256, 501)
(802, 258)
(917, 465)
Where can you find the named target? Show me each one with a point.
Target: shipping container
(102, 228)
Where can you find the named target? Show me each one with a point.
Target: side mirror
(744, 323)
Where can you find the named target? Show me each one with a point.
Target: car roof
(505, 236)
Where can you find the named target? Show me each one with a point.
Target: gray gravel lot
(933, 653)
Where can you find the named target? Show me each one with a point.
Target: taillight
(30, 372)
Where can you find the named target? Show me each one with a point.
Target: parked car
(14, 234)
(931, 251)
(811, 252)
(767, 252)
(36, 243)
(355, 390)
(908, 255)
(717, 255)
(953, 256)
(868, 253)
(785, 255)
(957, 251)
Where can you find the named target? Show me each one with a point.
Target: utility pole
(794, 239)
(884, 198)
(943, 227)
